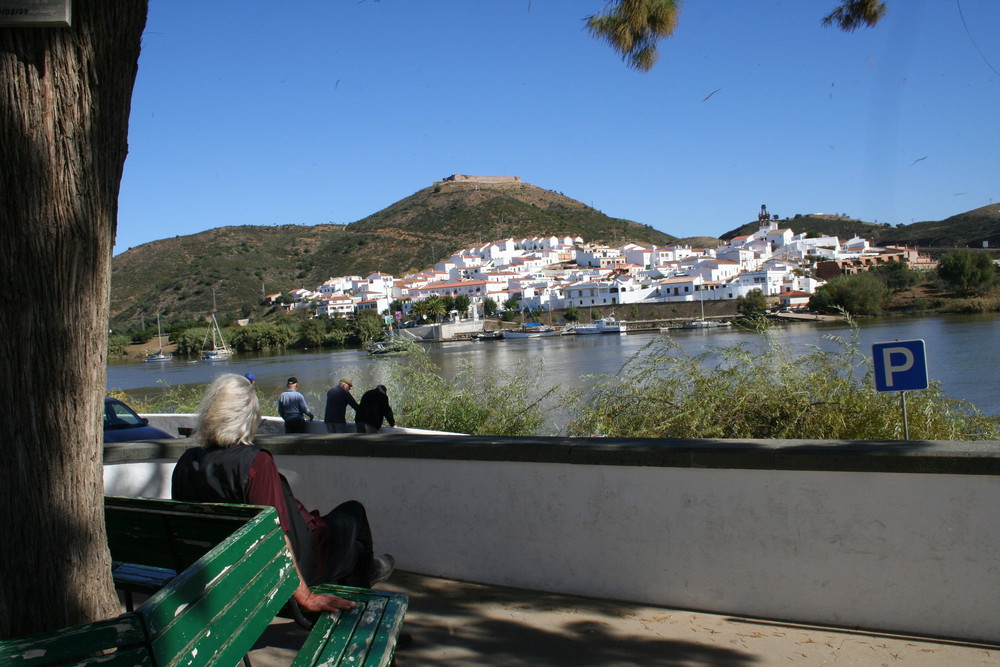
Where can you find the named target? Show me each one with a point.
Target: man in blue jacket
(293, 409)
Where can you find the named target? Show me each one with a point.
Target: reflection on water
(962, 353)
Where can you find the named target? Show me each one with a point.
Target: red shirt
(264, 488)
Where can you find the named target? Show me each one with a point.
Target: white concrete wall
(899, 552)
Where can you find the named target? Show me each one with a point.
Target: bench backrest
(219, 605)
(169, 534)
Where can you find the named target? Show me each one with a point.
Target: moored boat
(161, 355)
(219, 350)
(495, 334)
(701, 324)
(533, 330)
(604, 325)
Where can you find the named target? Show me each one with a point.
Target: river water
(963, 354)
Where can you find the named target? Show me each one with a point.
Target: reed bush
(761, 391)
(474, 402)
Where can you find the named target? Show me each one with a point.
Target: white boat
(161, 355)
(219, 350)
(533, 330)
(701, 324)
(604, 325)
(493, 334)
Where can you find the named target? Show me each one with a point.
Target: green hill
(233, 267)
(969, 229)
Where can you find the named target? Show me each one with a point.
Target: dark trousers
(351, 550)
(295, 426)
(367, 428)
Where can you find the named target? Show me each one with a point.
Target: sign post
(35, 13)
(900, 366)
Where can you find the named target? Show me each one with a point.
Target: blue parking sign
(900, 365)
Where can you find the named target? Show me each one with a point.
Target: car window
(119, 415)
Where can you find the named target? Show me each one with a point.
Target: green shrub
(758, 391)
(476, 403)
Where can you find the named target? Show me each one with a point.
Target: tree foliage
(368, 326)
(854, 14)
(968, 271)
(462, 303)
(117, 344)
(752, 303)
(633, 28)
(896, 275)
(858, 294)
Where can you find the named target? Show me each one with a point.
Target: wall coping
(920, 457)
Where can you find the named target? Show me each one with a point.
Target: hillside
(235, 266)
(969, 229)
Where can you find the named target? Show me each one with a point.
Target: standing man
(337, 400)
(293, 409)
(373, 409)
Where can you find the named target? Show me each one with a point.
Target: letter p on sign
(900, 365)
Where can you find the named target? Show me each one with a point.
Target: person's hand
(316, 602)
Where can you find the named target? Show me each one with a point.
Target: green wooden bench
(365, 635)
(151, 541)
(210, 613)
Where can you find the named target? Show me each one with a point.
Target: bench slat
(365, 635)
(217, 608)
(75, 645)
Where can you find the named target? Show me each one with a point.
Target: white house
(340, 304)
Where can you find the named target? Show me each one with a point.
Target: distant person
(373, 409)
(293, 409)
(227, 467)
(337, 400)
(252, 378)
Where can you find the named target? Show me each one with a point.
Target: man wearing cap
(373, 409)
(293, 409)
(337, 400)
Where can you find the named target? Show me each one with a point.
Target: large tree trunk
(65, 95)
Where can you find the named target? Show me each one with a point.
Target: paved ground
(464, 625)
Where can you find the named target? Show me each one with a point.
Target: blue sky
(319, 111)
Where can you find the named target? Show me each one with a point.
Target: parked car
(122, 424)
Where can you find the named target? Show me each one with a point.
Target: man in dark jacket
(374, 407)
(337, 400)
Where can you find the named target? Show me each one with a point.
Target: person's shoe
(382, 567)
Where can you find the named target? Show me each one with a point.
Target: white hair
(229, 412)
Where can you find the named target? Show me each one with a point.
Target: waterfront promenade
(470, 625)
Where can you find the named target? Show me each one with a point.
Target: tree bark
(65, 95)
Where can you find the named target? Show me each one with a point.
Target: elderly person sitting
(229, 468)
